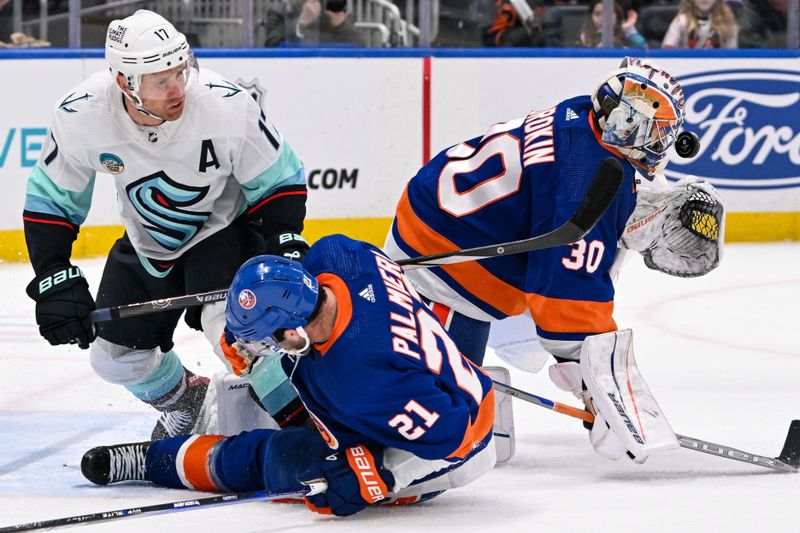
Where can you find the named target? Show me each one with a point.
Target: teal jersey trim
(163, 379)
(286, 170)
(44, 196)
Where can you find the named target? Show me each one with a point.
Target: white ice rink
(720, 353)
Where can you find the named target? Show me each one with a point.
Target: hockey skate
(188, 411)
(121, 462)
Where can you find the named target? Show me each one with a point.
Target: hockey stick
(787, 461)
(602, 191)
(161, 508)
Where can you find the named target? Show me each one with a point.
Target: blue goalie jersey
(523, 178)
(389, 375)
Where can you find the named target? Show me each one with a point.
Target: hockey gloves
(289, 245)
(239, 360)
(355, 480)
(63, 304)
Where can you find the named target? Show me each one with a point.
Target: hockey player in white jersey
(204, 181)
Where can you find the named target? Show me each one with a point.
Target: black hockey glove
(289, 245)
(355, 478)
(63, 304)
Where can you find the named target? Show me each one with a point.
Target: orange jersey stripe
(483, 425)
(470, 275)
(344, 307)
(571, 316)
(195, 463)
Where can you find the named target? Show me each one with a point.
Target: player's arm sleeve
(57, 200)
(271, 176)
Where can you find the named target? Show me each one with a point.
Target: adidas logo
(571, 115)
(368, 294)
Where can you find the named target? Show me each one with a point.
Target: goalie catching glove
(355, 479)
(63, 305)
(678, 231)
(628, 420)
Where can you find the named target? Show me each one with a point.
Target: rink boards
(364, 121)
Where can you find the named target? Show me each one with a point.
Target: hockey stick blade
(791, 448)
(602, 191)
(150, 510)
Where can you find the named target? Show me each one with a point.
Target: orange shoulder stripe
(471, 275)
(344, 308)
(571, 316)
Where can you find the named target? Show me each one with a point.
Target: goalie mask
(269, 294)
(145, 43)
(639, 109)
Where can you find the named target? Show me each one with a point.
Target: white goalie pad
(503, 428)
(236, 409)
(621, 396)
(514, 340)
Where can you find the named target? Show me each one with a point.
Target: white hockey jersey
(176, 183)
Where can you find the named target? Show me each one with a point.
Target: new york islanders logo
(247, 300)
(162, 204)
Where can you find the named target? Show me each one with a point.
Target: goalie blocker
(628, 419)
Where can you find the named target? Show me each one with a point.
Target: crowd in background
(681, 24)
(678, 24)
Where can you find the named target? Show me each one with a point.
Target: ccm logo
(369, 478)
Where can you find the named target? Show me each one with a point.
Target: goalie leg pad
(237, 411)
(514, 340)
(621, 398)
(503, 415)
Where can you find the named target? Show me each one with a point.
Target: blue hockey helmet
(269, 293)
(639, 110)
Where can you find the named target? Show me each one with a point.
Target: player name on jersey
(404, 325)
(538, 140)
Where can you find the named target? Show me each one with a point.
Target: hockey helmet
(269, 293)
(639, 110)
(144, 43)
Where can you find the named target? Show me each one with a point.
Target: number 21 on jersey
(431, 332)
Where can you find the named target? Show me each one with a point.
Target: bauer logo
(247, 299)
(748, 122)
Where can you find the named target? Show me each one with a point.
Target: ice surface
(719, 352)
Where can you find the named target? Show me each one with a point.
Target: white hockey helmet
(144, 43)
(639, 110)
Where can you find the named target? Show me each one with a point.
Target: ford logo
(749, 126)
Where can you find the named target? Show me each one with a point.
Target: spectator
(5, 19)
(625, 33)
(702, 24)
(763, 24)
(311, 22)
(521, 23)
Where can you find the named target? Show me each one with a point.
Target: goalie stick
(787, 461)
(602, 191)
(160, 508)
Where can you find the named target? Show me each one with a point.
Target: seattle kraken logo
(161, 202)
